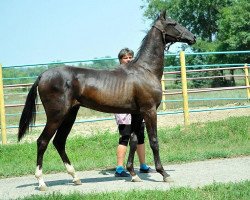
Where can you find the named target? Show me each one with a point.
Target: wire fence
(13, 95)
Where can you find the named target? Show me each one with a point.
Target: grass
(226, 138)
(229, 191)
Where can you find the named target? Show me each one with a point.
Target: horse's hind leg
(60, 142)
(42, 144)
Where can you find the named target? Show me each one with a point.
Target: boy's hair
(124, 52)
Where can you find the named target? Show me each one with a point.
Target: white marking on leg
(168, 179)
(39, 177)
(136, 179)
(72, 172)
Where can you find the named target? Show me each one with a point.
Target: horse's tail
(29, 111)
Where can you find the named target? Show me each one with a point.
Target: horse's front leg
(150, 118)
(135, 126)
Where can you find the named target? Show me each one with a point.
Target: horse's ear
(163, 14)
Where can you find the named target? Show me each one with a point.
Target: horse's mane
(142, 47)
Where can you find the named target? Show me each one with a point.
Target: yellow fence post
(2, 109)
(164, 107)
(247, 80)
(184, 88)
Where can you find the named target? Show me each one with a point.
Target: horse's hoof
(77, 182)
(168, 179)
(136, 179)
(43, 188)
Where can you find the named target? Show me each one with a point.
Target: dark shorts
(125, 132)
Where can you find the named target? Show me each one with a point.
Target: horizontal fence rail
(18, 85)
(204, 78)
(205, 70)
(207, 90)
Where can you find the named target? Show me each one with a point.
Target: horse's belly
(109, 108)
(108, 103)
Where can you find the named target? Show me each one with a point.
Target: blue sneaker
(122, 174)
(144, 168)
(148, 170)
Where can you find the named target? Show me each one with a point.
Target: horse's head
(172, 31)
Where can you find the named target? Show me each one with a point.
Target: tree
(234, 26)
(221, 25)
(199, 16)
(106, 62)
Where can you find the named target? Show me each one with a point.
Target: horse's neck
(151, 56)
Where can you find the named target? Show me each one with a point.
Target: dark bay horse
(131, 88)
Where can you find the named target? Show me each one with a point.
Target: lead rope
(168, 46)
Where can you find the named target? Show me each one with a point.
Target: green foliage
(21, 75)
(200, 17)
(219, 24)
(101, 63)
(171, 61)
(107, 63)
(234, 31)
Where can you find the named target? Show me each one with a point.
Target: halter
(164, 33)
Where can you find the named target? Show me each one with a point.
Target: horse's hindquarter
(107, 90)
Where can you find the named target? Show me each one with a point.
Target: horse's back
(103, 90)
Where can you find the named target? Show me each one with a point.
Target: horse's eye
(172, 23)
